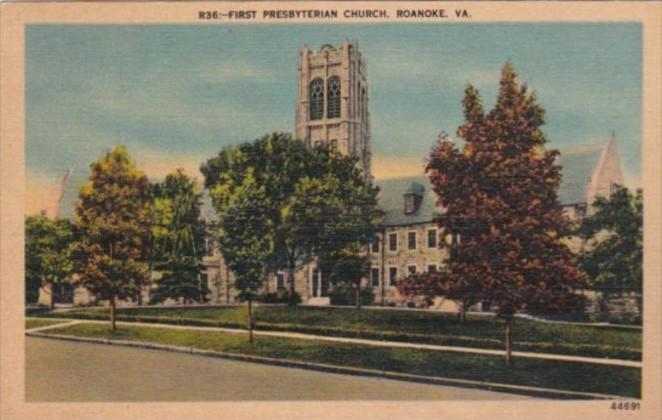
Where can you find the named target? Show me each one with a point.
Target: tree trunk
(250, 321)
(112, 314)
(463, 313)
(509, 344)
(290, 280)
(358, 295)
(52, 304)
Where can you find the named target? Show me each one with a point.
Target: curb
(433, 380)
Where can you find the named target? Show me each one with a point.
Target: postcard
(331, 210)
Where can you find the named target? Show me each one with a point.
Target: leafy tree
(49, 249)
(308, 195)
(339, 213)
(441, 284)
(613, 258)
(113, 219)
(178, 240)
(499, 190)
(349, 268)
(246, 245)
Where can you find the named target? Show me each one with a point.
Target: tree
(178, 240)
(246, 244)
(49, 248)
(441, 284)
(113, 219)
(303, 191)
(613, 258)
(339, 213)
(499, 190)
(349, 268)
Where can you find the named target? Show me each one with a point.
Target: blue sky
(176, 94)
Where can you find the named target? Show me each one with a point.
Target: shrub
(280, 296)
(344, 294)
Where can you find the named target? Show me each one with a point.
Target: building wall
(401, 259)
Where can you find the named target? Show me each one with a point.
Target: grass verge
(36, 323)
(570, 376)
(397, 325)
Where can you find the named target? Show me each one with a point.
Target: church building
(333, 107)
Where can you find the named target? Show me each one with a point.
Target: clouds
(177, 94)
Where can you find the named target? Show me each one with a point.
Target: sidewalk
(378, 343)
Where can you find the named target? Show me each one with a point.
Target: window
(333, 104)
(393, 275)
(411, 270)
(432, 268)
(375, 244)
(410, 204)
(374, 276)
(316, 99)
(393, 241)
(280, 281)
(432, 238)
(411, 240)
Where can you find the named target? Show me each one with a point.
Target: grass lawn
(540, 373)
(36, 323)
(400, 325)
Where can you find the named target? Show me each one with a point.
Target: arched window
(316, 98)
(333, 106)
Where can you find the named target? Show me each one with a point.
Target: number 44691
(628, 405)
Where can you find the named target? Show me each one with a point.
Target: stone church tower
(332, 100)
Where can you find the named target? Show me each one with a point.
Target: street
(66, 371)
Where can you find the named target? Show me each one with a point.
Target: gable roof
(577, 167)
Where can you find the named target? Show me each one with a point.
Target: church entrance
(319, 286)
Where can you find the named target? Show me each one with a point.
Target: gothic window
(333, 104)
(316, 98)
(280, 281)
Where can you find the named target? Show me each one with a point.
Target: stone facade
(332, 100)
(332, 107)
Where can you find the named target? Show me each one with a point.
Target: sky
(176, 94)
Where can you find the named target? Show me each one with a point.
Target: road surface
(67, 371)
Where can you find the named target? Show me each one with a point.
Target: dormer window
(413, 198)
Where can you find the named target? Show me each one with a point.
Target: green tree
(49, 249)
(613, 257)
(246, 246)
(302, 190)
(113, 219)
(178, 240)
(499, 189)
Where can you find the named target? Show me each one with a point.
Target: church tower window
(333, 104)
(316, 99)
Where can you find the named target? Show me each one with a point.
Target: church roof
(391, 200)
(577, 167)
